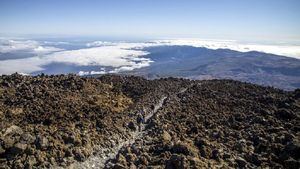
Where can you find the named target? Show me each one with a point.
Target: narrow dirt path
(104, 155)
(156, 108)
(144, 131)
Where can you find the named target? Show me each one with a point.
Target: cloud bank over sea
(31, 46)
(119, 56)
(283, 50)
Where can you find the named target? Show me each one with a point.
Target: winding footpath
(102, 158)
(105, 155)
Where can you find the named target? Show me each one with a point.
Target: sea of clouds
(10, 46)
(121, 56)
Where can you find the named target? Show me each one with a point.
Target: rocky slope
(71, 121)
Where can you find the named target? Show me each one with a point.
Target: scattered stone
(50, 121)
(18, 148)
(200, 142)
(215, 154)
(205, 152)
(42, 142)
(166, 136)
(176, 162)
(294, 149)
(121, 159)
(226, 155)
(285, 114)
(18, 164)
(78, 154)
(132, 166)
(143, 160)
(131, 158)
(30, 162)
(241, 162)
(8, 142)
(292, 163)
(13, 130)
(2, 150)
(184, 148)
(27, 138)
(119, 166)
(132, 126)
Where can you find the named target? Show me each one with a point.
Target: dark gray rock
(292, 163)
(42, 142)
(13, 130)
(132, 126)
(18, 148)
(241, 162)
(27, 138)
(176, 162)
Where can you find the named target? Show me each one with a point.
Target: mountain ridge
(202, 63)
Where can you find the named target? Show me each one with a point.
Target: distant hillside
(202, 63)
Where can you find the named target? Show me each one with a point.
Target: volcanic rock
(61, 120)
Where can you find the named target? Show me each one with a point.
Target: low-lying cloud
(120, 56)
(30, 46)
(284, 50)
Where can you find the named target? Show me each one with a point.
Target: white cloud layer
(9, 46)
(121, 56)
(284, 50)
(26, 65)
(100, 43)
(56, 43)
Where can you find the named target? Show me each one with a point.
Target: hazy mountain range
(202, 63)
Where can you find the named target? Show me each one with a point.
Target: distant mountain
(202, 63)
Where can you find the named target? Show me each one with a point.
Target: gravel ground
(67, 121)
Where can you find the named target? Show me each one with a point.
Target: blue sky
(218, 19)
